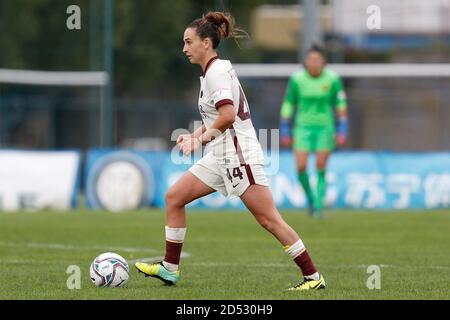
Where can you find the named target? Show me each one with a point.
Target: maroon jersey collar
(210, 62)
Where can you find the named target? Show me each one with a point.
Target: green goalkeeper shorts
(313, 139)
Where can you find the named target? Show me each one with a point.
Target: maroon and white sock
(301, 257)
(174, 244)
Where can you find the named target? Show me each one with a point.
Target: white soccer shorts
(230, 181)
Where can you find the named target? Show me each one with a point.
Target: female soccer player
(314, 92)
(234, 166)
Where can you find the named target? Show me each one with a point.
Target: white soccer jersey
(239, 144)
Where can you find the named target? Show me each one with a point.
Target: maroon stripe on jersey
(223, 102)
(237, 146)
(248, 169)
(209, 64)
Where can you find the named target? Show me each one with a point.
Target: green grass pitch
(229, 256)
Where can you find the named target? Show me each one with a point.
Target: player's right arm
(287, 111)
(219, 84)
(197, 133)
(225, 120)
(182, 138)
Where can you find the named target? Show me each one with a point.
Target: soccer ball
(109, 270)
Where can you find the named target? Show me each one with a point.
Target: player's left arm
(340, 100)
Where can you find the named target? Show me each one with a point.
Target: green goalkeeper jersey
(312, 99)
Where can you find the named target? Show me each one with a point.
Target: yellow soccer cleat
(157, 270)
(309, 284)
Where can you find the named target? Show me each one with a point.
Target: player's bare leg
(185, 190)
(301, 159)
(321, 163)
(258, 199)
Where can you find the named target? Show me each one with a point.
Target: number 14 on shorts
(235, 173)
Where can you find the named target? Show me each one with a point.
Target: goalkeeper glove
(285, 133)
(341, 130)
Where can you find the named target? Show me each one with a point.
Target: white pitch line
(60, 246)
(228, 264)
(25, 261)
(28, 261)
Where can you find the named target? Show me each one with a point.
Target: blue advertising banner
(120, 179)
(117, 179)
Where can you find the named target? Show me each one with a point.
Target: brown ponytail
(217, 26)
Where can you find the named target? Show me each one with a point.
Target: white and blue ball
(109, 270)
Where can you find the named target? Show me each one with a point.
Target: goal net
(47, 109)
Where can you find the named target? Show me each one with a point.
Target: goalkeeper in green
(314, 119)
